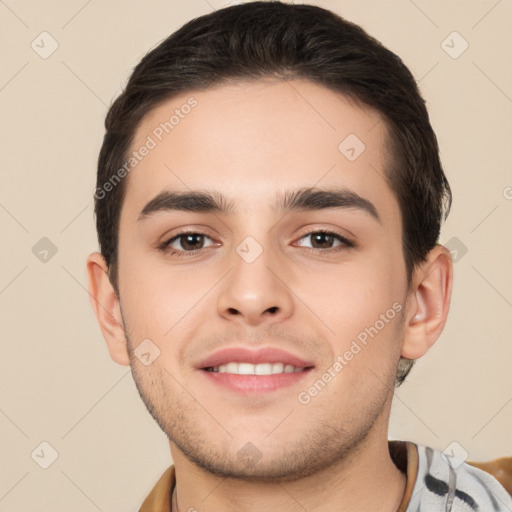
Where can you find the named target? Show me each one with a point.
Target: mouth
(247, 378)
(236, 368)
(245, 371)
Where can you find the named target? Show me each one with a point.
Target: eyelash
(345, 242)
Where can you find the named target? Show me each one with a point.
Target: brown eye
(322, 240)
(325, 240)
(190, 242)
(186, 242)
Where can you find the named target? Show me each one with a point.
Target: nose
(255, 292)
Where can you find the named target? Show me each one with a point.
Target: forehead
(252, 139)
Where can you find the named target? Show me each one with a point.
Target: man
(268, 204)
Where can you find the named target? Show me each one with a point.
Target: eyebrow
(291, 200)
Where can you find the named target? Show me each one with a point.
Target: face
(274, 275)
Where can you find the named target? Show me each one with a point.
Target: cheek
(360, 306)
(350, 296)
(159, 300)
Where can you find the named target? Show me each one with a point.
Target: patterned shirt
(448, 484)
(435, 483)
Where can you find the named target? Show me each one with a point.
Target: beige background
(58, 384)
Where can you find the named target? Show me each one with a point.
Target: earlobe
(429, 303)
(106, 307)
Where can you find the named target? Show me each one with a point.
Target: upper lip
(245, 355)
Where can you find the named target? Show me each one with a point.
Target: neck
(366, 479)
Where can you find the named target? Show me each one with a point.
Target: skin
(251, 141)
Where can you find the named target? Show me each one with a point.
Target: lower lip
(248, 384)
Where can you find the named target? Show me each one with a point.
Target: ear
(428, 303)
(106, 307)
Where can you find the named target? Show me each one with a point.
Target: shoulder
(159, 499)
(449, 483)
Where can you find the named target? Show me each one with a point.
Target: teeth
(256, 369)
